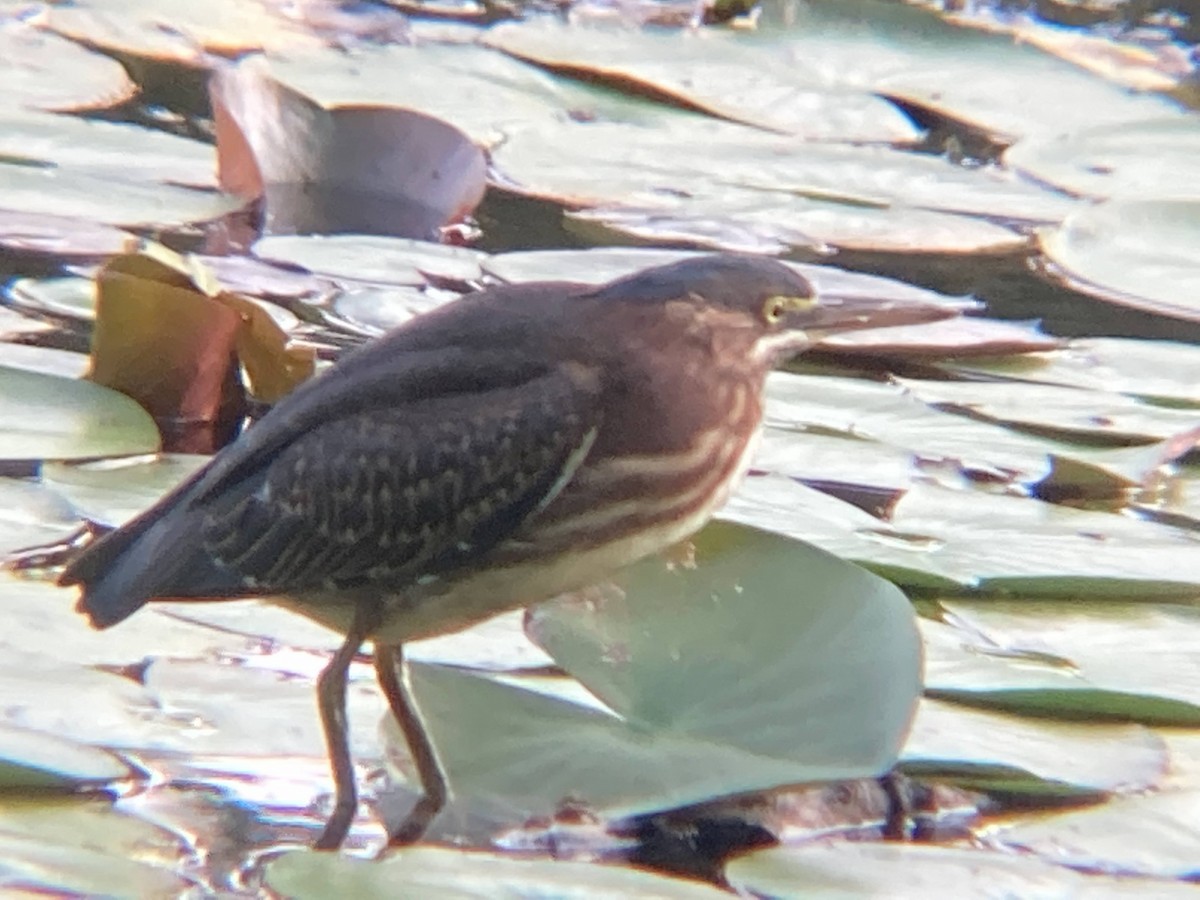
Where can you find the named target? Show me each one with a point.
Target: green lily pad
(956, 541)
(986, 80)
(373, 259)
(747, 190)
(225, 28)
(462, 875)
(890, 415)
(44, 360)
(30, 516)
(1136, 253)
(1132, 160)
(1162, 371)
(1131, 661)
(1154, 835)
(127, 152)
(113, 491)
(712, 677)
(68, 297)
(76, 847)
(991, 751)
(46, 72)
(861, 871)
(58, 418)
(32, 760)
(108, 200)
(482, 92)
(721, 73)
(1058, 411)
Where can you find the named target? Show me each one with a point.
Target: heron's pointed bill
(807, 321)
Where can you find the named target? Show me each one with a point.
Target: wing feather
(392, 495)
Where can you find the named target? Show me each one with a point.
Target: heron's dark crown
(759, 287)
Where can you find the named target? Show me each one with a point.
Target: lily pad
(887, 414)
(30, 516)
(988, 82)
(60, 237)
(372, 259)
(936, 538)
(70, 297)
(1162, 371)
(179, 31)
(862, 870)
(1135, 253)
(1129, 661)
(1154, 158)
(44, 71)
(1152, 835)
(461, 874)
(768, 187)
(127, 152)
(991, 751)
(712, 677)
(108, 200)
(720, 73)
(113, 491)
(44, 360)
(78, 847)
(1059, 411)
(58, 418)
(32, 760)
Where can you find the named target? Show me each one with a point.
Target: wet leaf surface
(1036, 494)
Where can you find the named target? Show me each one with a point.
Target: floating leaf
(30, 516)
(48, 417)
(1152, 835)
(884, 413)
(1154, 158)
(714, 675)
(935, 538)
(1163, 371)
(717, 72)
(861, 870)
(1061, 411)
(958, 337)
(126, 152)
(70, 297)
(78, 847)
(178, 31)
(31, 760)
(990, 751)
(443, 872)
(989, 82)
(60, 237)
(108, 200)
(767, 189)
(1137, 253)
(1129, 661)
(44, 71)
(373, 259)
(112, 491)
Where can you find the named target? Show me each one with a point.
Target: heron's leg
(389, 669)
(331, 699)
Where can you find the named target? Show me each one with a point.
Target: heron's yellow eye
(775, 308)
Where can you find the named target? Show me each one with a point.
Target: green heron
(520, 442)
